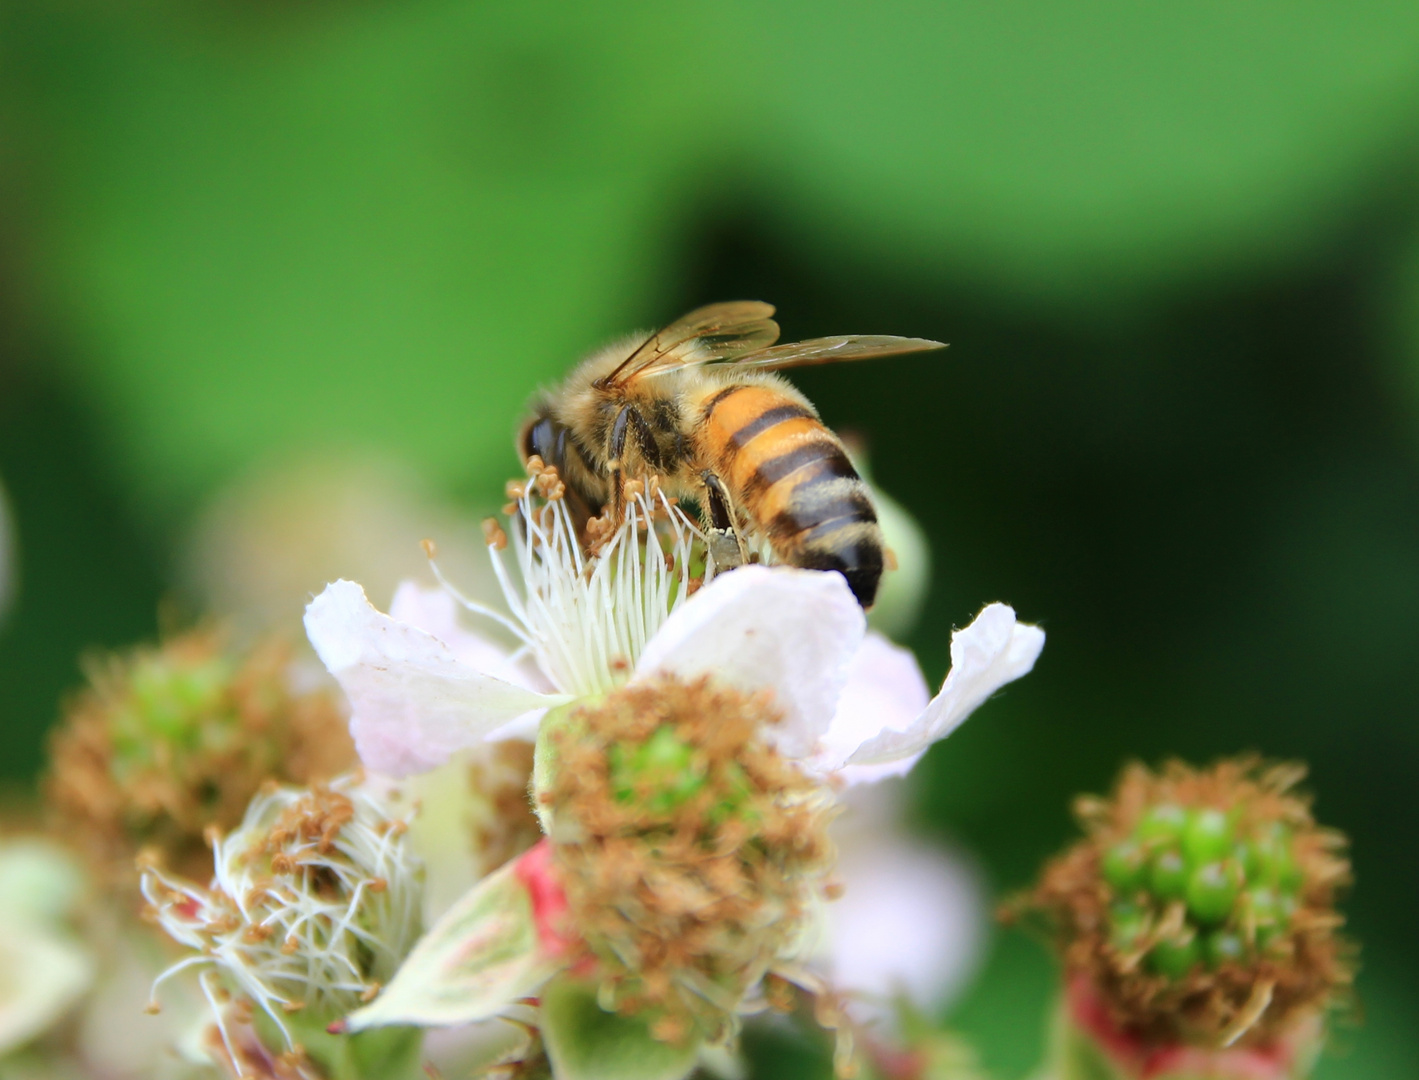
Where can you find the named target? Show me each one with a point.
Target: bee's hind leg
(726, 546)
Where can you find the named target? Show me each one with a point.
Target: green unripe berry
(1161, 824)
(1286, 905)
(1207, 835)
(1127, 923)
(662, 769)
(1275, 859)
(1265, 907)
(1222, 947)
(1268, 937)
(1212, 891)
(1174, 959)
(1168, 875)
(1125, 867)
(1245, 853)
(1289, 875)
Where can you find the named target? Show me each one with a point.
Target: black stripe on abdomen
(815, 518)
(769, 418)
(824, 455)
(709, 405)
(858, 560)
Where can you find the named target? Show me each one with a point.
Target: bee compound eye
(540, 438)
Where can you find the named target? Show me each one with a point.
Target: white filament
(311, 938)
(586, 618)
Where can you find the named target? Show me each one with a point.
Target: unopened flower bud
(1198, 917)
(167, 742)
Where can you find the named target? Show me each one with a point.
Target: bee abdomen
(794, 478)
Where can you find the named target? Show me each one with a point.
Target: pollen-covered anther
(493, 535)
(549, 484)
(688, 848)
(1200, 907)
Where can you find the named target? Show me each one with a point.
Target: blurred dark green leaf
(1086, 153)
(376, 224)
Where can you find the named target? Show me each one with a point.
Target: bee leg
(726, 546)
(615, 453)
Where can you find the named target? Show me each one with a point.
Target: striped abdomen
(790, 474)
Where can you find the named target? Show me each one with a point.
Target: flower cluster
(611, 816)
(693, 731)
(166, 742)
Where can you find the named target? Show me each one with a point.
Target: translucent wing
(830, 350)
(716, 332)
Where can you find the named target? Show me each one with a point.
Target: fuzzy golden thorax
(666, 440)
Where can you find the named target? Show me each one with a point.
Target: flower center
(690, 851)
(584, 603)
(167, 741)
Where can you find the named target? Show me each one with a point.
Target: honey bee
(698, 406)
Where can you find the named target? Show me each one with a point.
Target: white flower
(852, 704)
(894, 881)
(44, 970)
(846, 705)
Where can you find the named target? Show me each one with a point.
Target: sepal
(584, 1042)
(1086, 1045)
(484, 954)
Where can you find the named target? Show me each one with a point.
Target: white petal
(885, 690)
(412, 703)
(435, 611)
(910, 921)
(992, 651)
(788, 630)
(45, 974)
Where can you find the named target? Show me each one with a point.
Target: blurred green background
(1175, 250)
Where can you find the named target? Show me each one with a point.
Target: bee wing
(829, 350)
(707, 334)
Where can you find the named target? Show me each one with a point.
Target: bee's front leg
(615, 467)
(726, 546)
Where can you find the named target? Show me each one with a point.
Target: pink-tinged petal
(993, 651)
(778, 628)
(413, 704)
(885, 690)
(911, 921)
(435, 611)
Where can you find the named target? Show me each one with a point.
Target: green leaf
(391, 1053)
(1084, 151)
(479, 958)
(584, 1042)
(379, 225)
